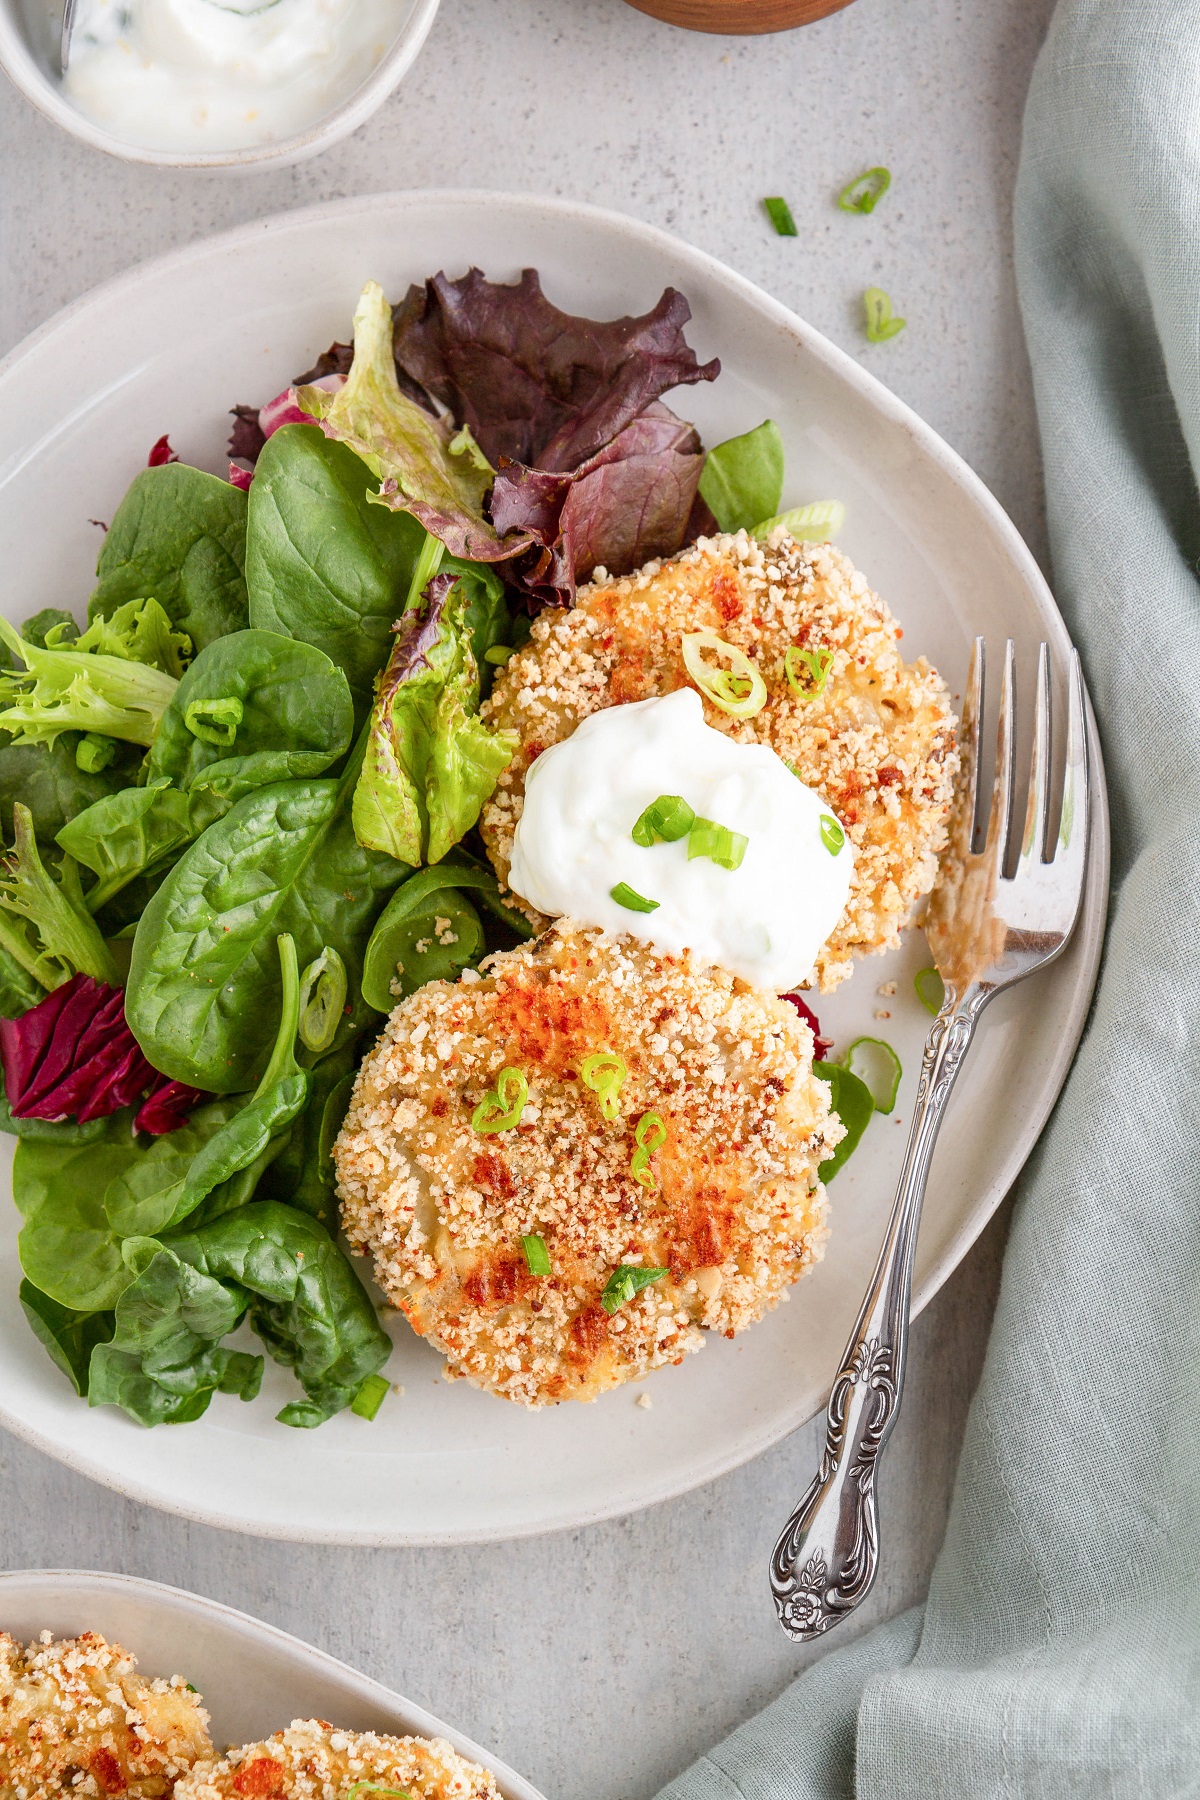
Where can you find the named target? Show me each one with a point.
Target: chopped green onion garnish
(780, 215)
(807, 524)
(370, 1396)
(931, 990)
(877, 1067)
(94, 752)
(852, 1102)
(624, 1283)
(502, 1108)
(815, 665)
(740, 690)
(376, 1787)
(663, 822)
(537, 1257)
(832, 835)
(629, 898)
(323, 988)
(215, 721)
(499, 653)
(650, 1135)
(724, 847)
(881, 323)
(603, 1073)
(864, 193)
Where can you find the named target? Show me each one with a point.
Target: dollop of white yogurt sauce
(765, 921)
(197, 75)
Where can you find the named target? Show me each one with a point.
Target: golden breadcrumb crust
(736, 1214)
(877, 743)
(313, 1761)
(76, 1718)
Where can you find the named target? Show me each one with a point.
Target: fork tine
(1070, 851)
(1034, 846)
(1002, 788)
(972, 714)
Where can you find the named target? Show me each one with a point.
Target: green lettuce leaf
(80, 690)
(45, 925)
(139, 631)
(742, 479)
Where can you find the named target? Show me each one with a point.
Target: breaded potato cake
(76, 1718)
(877, 741)
(312, 1760)
(728, 1206)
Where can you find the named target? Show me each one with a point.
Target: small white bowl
(30, 68)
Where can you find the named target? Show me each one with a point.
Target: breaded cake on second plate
(875, 738)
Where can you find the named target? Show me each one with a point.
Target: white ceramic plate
(253, 1678)
(168, 348)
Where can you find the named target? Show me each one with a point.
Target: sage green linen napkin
(1058, 1654)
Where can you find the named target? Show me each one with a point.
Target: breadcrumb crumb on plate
(736, 1212)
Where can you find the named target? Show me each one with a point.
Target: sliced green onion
(811, 524)
(740, 690)
(931, 990)
(502, 1108)
(370, 1396)
(537, 1257)
(215, 721)
(881, 323)
(852, 1102)
(376, 1787)
(724, 847)
(878, 1068)
(624, 1283)
(663, 822)
(864, 193)
(649, 1136)
(629, 898)
(94, 752)
(816, 665)
(498, 654)
(832, 835)
(323, 988)
(603, 1073)
(780, 215)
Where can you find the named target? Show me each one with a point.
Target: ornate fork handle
(827, 1555)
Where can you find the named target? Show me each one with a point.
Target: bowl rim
(20, 64)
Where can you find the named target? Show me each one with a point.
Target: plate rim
(1087, 943)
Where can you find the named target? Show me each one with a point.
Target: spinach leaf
(67, 1337)
(147, 1197)
(203, 990)
(19, 990)
(852, 1102)
(138, 831)
(742, 479)
(47, 779)
(162, 1365)
(303, 1174)
(179, 535)
(67, 1247)
(116, 1127)
(307, 1304)
(408, 921)
(294, 714)
(50, 618)
(322, 564)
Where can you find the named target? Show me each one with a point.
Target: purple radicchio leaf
(73, 1055)
(160, 453)
(635, 499)
(252, 426)
(534, 384)
(166, 1106)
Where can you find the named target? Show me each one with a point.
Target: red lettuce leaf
(247, 437)
(633, 500)
(534, 384)
(253, 425)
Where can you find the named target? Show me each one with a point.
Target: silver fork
(987, 930)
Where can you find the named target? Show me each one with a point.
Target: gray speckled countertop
(601, 1661)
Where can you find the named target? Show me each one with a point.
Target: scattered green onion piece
(832, 835)
(739, 691)
(724, 847)
(537, 1257)
(370, 1396)
(852, 1102)
(881, 322)
(663, 822)
(498, 654)
(376, 1787)
(931, 990)
(780, 215)
(94, 752)
(812, 524)
(323, 988)
(816, 663)
(624, 1283)
(878, 1068)
(649, 1136)
(630, 899)
(215, 721)
(863, 194)
(603, 1073)
(502, 1108)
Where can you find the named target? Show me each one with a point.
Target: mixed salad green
(239, 805)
